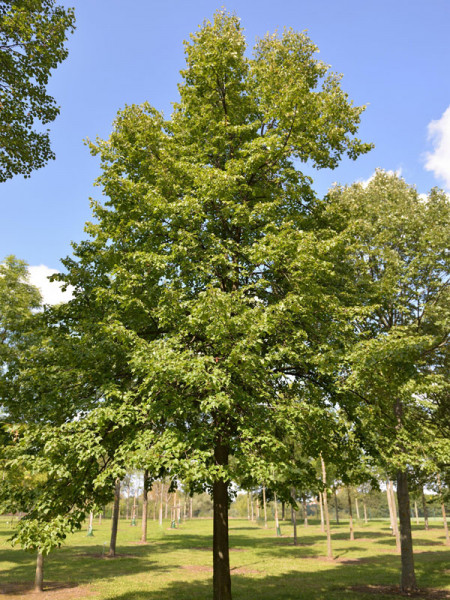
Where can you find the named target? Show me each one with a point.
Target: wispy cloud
(51, 290)
(438, 161)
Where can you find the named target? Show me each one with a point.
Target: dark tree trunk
(115, 519)
(283, 511)
(145, 507)
(336, 506)
(350, 512)
(39, 578)
(425, 511)
(408, 580)
(294, 517)
(221, 557)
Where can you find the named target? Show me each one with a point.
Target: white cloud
(438, 161)
(51, 290)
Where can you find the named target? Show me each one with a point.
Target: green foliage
(202, 286)
(32, 36)
(394, 374)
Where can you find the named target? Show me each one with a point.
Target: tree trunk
(251, 506)
(39, 577)
(161, 502)
(425, 511)
(248, 505)
(190, 507)
(336, 506)
(257, 508)
(394, 515)
(305, 512)
(416, 512)
(444, 516)
(357, 509)
(322, 522)
(91, 522)
(325, 509)
(145, 507)
(352, 534)
(294, 517)
(389, 501)
(115, 519)
(265, 506)
(283, 511)
(221, 557)
(277, 524)
(365, 512)
(408, 579)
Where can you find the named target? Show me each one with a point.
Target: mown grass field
(177, 564)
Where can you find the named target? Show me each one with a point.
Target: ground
(177, 564)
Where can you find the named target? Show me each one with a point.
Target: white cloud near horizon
(51, 290)
(438, 161)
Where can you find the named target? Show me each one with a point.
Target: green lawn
(176, 564)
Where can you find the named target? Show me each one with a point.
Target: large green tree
(32, 37)
(203, 265)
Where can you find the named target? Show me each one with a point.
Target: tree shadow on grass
(333, 583)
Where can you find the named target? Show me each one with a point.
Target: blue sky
(394, 56)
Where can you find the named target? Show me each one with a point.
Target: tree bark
(161, 502)
(322, 522)
(325, 509)
(336, 506)
(115, 519)
(190, 507)
(221, 557)
(350, 512)
(283, 511)
(416, 512)
(444, 515)
(305, 512)
(394, 517)
(265, 506)
(425, 512)
(389, 501)
(294, 517)
(408, 578)
(145, 507)
(357, 509)
(365, 511)
(277, 523)
(39, 577)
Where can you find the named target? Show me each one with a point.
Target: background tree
(397, 249)
(32, 36)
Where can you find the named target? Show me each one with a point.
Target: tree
(203, 267)
(32, 36)
(397, 252)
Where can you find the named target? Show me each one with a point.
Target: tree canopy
(32, 37)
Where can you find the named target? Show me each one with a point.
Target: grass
(177, 564)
